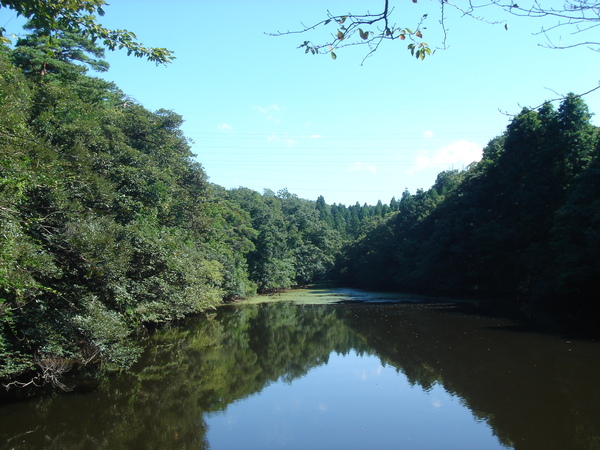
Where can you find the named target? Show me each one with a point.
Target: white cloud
(316, 136)
(269, 109)
(272, 112)
(322, 407)
(362, 167)
(458, 155)
(364, 375)
(224, 127)
(427, 134)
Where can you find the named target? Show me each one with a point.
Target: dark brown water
(306, 372)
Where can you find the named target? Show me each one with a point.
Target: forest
(109, 224)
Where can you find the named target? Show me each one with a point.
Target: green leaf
(333, 55)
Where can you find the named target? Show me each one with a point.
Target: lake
(331, 369)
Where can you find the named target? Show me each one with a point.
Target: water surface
(332, 369)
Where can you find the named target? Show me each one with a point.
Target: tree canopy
(80, 17)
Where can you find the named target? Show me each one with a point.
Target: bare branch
(557, 99)
(52, 368)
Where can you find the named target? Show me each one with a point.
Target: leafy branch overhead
(80, 17)
(364, 29)
(575, 17)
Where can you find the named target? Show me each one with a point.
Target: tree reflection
(535, 391)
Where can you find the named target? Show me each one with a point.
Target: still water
(331, 369)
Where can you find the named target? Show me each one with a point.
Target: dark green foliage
(575, 239)
(40, 55)
(293, 243)
(51, 17)
(522, 224)
(104, 221)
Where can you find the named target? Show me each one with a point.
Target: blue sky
(262, 114)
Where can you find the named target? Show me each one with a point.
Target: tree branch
(350, 24)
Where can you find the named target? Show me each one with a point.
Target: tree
(577, 134)
(578, 17)
(324, 211)
(79, 17)
(40, 55)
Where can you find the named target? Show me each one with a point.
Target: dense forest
(522, 225)
(108, 223)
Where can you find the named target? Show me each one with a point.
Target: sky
(263, 115)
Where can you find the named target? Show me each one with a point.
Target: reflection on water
(353, 375)
(353, 402)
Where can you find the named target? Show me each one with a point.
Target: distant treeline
(107, 223)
